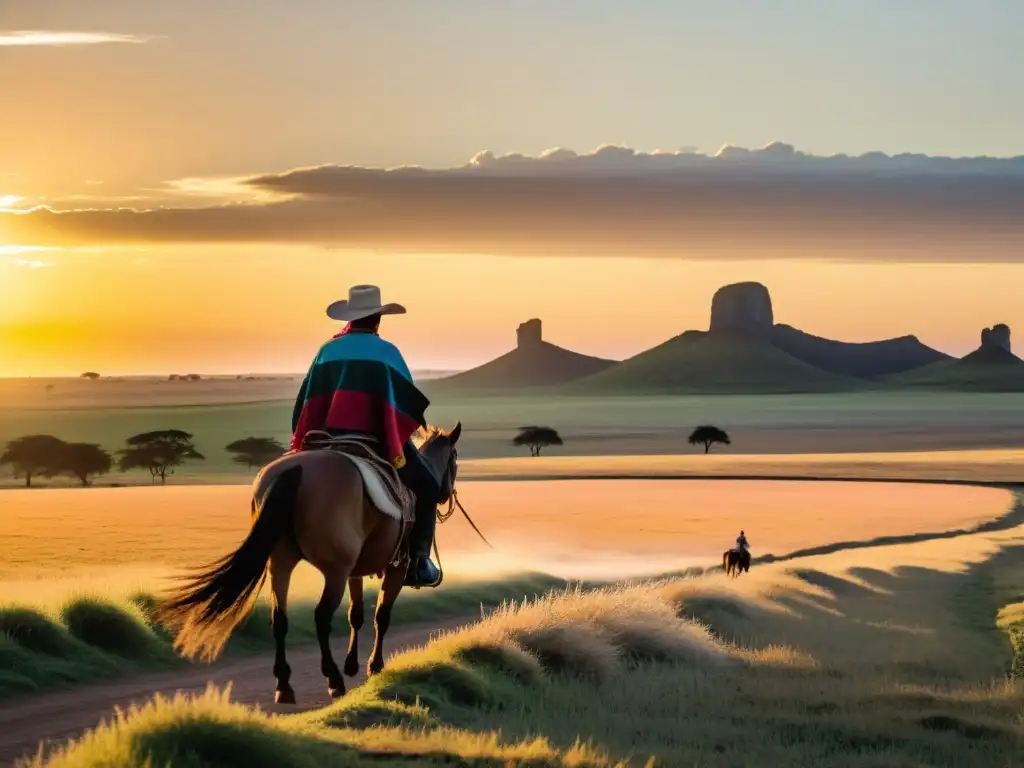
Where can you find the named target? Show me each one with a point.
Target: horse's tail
(211, 605)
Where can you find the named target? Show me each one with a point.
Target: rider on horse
(359, 383)
(742, 545)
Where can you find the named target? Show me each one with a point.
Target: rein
(445, 516)
(453, 502)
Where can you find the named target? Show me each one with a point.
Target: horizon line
(167, 374)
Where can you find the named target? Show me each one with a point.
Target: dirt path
(53, 718)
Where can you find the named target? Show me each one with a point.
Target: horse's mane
(424, 436)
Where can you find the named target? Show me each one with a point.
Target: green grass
(703, 363)
(91, 638)
(213, 425)
(981, 371)
(597, 424)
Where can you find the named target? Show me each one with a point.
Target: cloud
(60, 38)
(32, 264)
(737, 203)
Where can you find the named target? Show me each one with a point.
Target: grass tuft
(1017, 646)
(437, 684)
(121, 629)
(509, 660)
(574, 650)
(37, 632)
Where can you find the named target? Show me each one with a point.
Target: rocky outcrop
(533, 363)
(529, 334)
(743, 309)
(996, 336)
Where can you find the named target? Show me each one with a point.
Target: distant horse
(734, 561)
(308, 505)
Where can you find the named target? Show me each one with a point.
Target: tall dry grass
(87, 636)
(882, 656)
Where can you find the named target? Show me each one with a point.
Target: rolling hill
(865, 360)
(986, 369)
(712, 363)
(743, 352)
(536, 365)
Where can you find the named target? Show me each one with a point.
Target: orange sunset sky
(185, 186)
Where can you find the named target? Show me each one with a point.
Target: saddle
(380, 478)
(381, 482)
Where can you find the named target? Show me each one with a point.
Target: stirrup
(411, 574)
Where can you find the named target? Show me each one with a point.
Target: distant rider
(742, 545)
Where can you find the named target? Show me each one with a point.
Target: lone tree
(537, 438)
(707, 436)
(255, 451)
(91, 375)
(33, 456)
(159, 452)
(84, 460)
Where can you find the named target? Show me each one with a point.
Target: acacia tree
(255, 451)
(91, 375)
(33, 456)
(537, 438)
(159, 452)
(84, 460)
(707, 435)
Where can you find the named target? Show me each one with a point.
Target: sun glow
(18, 250)
(59, 38)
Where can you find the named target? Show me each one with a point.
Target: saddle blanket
(380, 478)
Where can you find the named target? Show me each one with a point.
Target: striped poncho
(359, 382)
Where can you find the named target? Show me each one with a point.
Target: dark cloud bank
(739, 203)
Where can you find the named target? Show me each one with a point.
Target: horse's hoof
(351, 667)
(374, 669)
(336, 692)
(284, 696)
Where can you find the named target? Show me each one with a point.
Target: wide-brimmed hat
(362, 301)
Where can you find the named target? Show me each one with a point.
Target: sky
(186, 186)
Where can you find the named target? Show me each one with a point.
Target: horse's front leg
(389, 589)
(356, 618)
(334, 590)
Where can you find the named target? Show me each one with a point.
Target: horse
(308, 505)
(734, 561)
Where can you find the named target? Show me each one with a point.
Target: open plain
(220, 411)
(879, 633)
(876, 627)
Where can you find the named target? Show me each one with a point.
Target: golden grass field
(125, 539)
(1004, 465)
(877, 656)
(869, 655)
